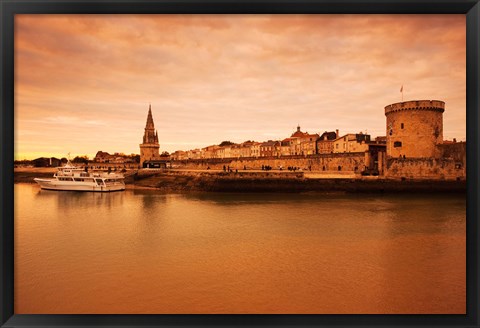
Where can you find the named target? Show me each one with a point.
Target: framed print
(228, 163)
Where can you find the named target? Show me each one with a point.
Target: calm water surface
(140, 251)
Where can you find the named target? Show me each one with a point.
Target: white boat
(72, 178)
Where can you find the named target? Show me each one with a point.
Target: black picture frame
(8, 9)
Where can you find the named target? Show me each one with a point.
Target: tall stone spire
(149, 149)
(150, 136)
(150, 124)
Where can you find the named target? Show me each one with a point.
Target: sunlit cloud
(209, 78)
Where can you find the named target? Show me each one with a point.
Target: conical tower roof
(149, 118)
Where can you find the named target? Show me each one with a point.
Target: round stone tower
(414, 128)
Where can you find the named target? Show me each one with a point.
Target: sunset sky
(83, 83)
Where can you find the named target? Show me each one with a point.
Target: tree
(81, 159)
(226, 143)
(165, 153)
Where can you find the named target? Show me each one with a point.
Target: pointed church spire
(149, 149)
(149, 118)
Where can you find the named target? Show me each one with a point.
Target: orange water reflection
(142, 252)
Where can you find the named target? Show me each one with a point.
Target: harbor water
(141, 251)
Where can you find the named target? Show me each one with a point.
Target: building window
(397, 144)
(401, 125)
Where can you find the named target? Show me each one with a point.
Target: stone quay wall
(286, 182)
(425, 168)
(351, 162)
(451, 165)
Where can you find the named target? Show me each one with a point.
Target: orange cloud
(227, 77)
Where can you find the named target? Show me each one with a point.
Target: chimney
(336, 131)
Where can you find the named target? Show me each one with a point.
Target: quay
(284, 181)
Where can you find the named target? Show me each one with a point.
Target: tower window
(397, 144)
(401, 125)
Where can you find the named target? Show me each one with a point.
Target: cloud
(211, 78)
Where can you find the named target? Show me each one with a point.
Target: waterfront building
(293, 144)
(351, 143)
(325, 142)
(194, 154)
(270, 148)
(286, 146)
(209, 151)
(115, 158)
(235, 151)
(302, 143)
(217, 152)
(245, 148)
(255, 149)
(179, 155)
(308, 146)
(415, 129)
(227, 151)
(150, 148)
(46, 162)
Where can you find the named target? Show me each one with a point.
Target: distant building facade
(325, 142)
(46, 162)
(351, 143)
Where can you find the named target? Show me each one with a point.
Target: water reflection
(66, 200)
(140, 251)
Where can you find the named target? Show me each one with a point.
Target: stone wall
(425, 168)
(456, 151)
(286, 182)
(451, 164)
(352, 162)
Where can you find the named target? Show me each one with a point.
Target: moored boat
(72, 178)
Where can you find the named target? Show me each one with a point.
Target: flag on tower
(401, 89)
